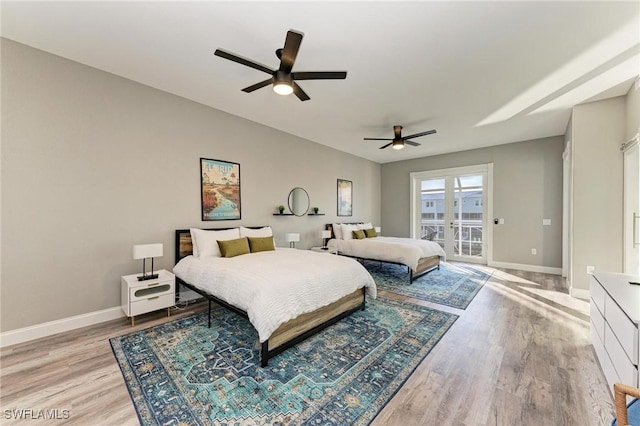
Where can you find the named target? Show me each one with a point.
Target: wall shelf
(283, 214)
(316, 214)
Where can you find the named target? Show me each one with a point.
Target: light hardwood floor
(520, 354)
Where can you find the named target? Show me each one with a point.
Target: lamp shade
(326, 234)
(144, 251)
(292, 237)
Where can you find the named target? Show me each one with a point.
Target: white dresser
(615, 318)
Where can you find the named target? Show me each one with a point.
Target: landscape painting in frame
(220, 189)
(345, 197)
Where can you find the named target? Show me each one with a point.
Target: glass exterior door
(452, 213)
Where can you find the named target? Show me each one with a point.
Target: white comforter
(276, 286)
(406, 251)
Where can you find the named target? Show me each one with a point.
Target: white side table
(140, 297)
(321, 250)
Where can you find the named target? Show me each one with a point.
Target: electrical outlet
(591, 269)
(534, 251)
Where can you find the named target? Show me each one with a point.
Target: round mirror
(299, 201)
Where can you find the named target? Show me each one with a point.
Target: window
(478, 203)
(428, 204)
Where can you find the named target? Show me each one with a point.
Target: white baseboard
(579, 293)
(58, 326)
(187, 295)
(524, 267)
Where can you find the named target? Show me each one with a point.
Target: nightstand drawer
(150, 290)
(151, 304)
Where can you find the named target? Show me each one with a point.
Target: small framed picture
(345, 197)
(220, 189)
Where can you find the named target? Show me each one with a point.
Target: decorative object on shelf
(292, 239)
(326, 234)
(281, 208)
(315, 210)
(345, 197)
(145, 251)
(299, 201)
(220, 190)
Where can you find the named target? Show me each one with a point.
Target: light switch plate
(546, 222)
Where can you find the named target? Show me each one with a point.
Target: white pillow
(365, 226)
(261, 232)
(346, 231)
(337, 231)
(206, 242)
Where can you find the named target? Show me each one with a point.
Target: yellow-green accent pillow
(358, 235)
(370, 233)
(257, 244)
(232, 248)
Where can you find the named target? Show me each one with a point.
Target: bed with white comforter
(273, 287)
(406, 251)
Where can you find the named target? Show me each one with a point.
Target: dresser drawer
(151, 290)
(598, 294)
(627, 372)
(625, 330)
(151, 304)
(598, 344)
(597, 321)
(609, 373)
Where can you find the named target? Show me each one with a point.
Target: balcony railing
(467, 235)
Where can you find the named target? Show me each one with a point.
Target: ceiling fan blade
(319, 75)
(244, 61)
(377, 139)
(428, 132)
(412, 143)
(384, 146)
(258, 85)
(290, 50)
(297, 90)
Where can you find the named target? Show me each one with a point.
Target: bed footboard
(425, 265)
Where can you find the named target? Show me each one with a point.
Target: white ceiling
(481, 73)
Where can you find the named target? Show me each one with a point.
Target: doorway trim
(415, 182)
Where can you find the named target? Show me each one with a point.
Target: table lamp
(292, 238)
(145, 251)
(326, 234)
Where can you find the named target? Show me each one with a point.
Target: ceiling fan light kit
(398, 140)
(283, 79)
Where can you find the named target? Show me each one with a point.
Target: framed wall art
(345, 197)
(220, 189)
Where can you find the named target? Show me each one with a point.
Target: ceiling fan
(398, 140)
(283, 79)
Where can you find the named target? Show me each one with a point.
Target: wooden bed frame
(293, 331)
(425, 264)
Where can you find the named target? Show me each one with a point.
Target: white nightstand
(321, 250)
(140, 297)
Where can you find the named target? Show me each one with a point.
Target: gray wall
(527, 188)
(93, 163)
(598, 130)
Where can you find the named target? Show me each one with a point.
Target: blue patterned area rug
(452, 285)
(182, 373)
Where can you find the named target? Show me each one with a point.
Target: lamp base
(147, 277)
